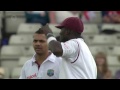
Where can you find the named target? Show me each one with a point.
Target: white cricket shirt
(78, 62)
(49, 69)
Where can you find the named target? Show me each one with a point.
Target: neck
(73, 37)
(41, 58)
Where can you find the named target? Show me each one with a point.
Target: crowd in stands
(56, 17)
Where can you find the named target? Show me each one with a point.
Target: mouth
(38, 49)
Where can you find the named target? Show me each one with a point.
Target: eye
(35, 41)
(42, 41)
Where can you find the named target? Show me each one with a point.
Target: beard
(63, 39)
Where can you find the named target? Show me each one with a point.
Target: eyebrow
(38, 40)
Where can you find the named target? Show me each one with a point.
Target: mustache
(38, 47)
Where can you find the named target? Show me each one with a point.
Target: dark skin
(55, 46)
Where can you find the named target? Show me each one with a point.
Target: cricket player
(77, 60)
(44, 64)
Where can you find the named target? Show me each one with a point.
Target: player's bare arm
(56, 48)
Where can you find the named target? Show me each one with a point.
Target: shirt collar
(51, 58)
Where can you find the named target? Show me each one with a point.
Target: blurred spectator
(117, 75)
(4, 36)
(103, 71)
(108, 75)
(2, 72)
(37, 17)
(88, 16)
(111, 16)
(59, 16)
(5, 40)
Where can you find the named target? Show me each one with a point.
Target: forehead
(39, 36)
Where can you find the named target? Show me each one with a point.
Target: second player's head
(71, 27)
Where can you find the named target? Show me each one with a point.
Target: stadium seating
(21, 40)
(16, 73)
(117, 39)
(6, 72)
(55, 30)
(95, 49)
(1, 14)
(26, 28)
(9, 64)
(114, 69)
(14, 13)
(1, 25)
(13, 19)
(1, 17)
(22, 60)
(98, 39)
(113, 61)
(14, 52)
(2, 73)
(12, 23)
(0, 35)
(113, 50)
(88, 38)
(91, 29)
(110, 26)
(103, 40)
(28, 51)
(10, 52)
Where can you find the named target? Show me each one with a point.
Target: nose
(38, 43)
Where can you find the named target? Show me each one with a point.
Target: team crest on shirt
(50, 72)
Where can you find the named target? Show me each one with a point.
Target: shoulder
(72, 42)
(57, 59)
(67, 42)
(28, 63)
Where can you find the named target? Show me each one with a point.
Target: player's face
(40, 43)
(63, 35)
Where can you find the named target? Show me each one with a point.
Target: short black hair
(40, 31)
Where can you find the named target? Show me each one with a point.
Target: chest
(46, 71)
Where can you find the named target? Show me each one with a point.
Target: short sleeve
(69, 48)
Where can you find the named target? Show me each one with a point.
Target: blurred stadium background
(16, 39)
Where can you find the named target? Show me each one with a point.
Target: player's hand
(47, 29)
